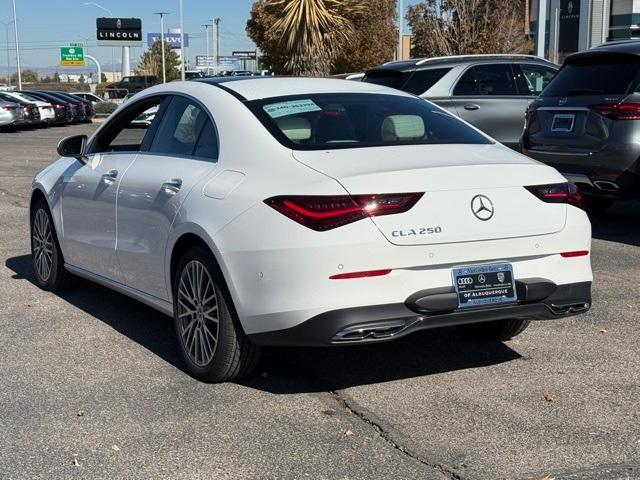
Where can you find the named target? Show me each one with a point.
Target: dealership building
(562, 27)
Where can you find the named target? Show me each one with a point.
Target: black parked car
(62, 109)
(78, 108)
(586, 123)
(89, 111)
(30, 110)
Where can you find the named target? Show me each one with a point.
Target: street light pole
(206, 36)
(182, 49)
(15, 29)
(216, 22)
(113, 69)
(164, 69)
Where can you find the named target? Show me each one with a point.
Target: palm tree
(314, 32)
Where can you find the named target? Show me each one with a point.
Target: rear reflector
(577, 253)
(370, 273)
(558, 193)
(321, 213)
(618, 111)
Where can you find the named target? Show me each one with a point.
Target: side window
(534, 78)
(487, 80)
(207, 146)
(185, 129)
(128, 129)
(423, 80)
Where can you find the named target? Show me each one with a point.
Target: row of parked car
(34, 108)
(582, 118)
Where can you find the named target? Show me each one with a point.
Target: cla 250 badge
(416, 231)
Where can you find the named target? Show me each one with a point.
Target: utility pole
(206, 36)
(216, 22)
(164, 69)
(15, 29)
(182, 49)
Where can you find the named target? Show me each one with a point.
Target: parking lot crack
(387, 437)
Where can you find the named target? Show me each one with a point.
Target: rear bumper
(539, 299)
(611, 173)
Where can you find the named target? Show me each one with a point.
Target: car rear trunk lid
(471, 192)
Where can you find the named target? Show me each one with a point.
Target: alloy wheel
(42, 236)
(197, 310)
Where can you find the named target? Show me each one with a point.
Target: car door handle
(110, 176)
(471, 106)
(172, 186)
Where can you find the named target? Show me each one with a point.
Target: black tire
(55, 277)
(499, 330)
(233, 355)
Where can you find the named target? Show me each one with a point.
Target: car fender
(50, 182)
(192, 228)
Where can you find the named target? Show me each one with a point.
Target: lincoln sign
(116, 32)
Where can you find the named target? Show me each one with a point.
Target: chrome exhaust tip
(570, 308)
(606, 185)
(377, 330)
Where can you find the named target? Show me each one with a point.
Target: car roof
(624, 47)
(253, 88)
(408, 65)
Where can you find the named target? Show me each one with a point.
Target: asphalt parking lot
(92, 385)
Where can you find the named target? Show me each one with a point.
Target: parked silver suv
(491, 92)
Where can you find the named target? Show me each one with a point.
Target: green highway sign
(72, 56)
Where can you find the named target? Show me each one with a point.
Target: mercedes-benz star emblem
(562, 101)
(482, 207)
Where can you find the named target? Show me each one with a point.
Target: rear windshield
(387, 78)
(594, 76)
(416, 82)
(354, 120)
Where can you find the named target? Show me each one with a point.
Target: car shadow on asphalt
(620, 223)
(289, 370)
(142, 324)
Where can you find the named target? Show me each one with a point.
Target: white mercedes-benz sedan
(292, 211)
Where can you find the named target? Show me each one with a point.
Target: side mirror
(73, 147)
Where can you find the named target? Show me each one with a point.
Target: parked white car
(92, 97)
(47, 114)
(10, 114)
(293, 211)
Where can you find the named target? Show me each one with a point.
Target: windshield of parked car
(354, 120)
(611, 75)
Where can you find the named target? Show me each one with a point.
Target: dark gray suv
(491, 92)
(586, 123)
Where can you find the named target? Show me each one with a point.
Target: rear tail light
(577, 253)
(8, 108)
(527, 113)
(58, 106)
(618, 111)
(558, 193)
(320, 212)
(368, 273)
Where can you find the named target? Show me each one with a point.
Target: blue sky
(46, 25)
